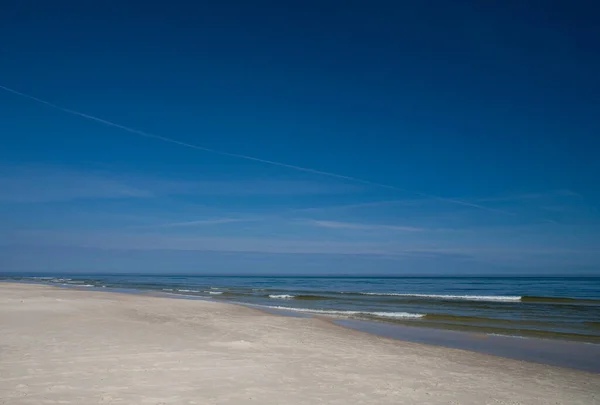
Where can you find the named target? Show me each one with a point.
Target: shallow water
(581, 356)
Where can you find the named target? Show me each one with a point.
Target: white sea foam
(348, 313)
(507, 298)
(313, 311)
(282, 296)
(167, 289)
(214, 292)
(508, 336)
(188, 290)
(395, 314)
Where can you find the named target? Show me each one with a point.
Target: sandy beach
(72, 346)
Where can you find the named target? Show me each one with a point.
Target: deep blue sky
(482, 118)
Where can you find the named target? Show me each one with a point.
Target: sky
(281, 138)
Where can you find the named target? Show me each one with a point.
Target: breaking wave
(350, 313)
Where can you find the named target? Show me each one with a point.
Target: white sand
(60, 346)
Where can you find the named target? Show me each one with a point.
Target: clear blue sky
(481, 119)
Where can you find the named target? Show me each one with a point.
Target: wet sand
(556, 352)
(82, 347)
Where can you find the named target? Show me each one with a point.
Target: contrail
(252, 158)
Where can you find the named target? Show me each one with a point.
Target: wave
(188, 290)
(299, 297)
(214, 292)
(349, 313)
(492, 298)
(60, 280)
(508, 336)
(505, 298)
(394, 314)
(559, 300)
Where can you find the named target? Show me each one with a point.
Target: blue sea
(565, 308)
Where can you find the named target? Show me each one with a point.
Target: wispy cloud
(161, 241)
(201, 222)
(362, 205)
(558, 208)
(47, 184)
(242, 186)
(530, 196)
(36, 184)
(354, 225)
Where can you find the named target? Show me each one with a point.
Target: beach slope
(73, 346)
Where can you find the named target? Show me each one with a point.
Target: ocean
(565, 308)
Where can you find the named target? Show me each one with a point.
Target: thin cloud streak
(246, 157)
(213, 221)
(40, 185)
(160, 241)
(350, 206)
(47, 183)
(530, 196)
(354, 225)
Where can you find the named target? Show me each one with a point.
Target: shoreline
(80, 346)
(584, 356)
(524, 311)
